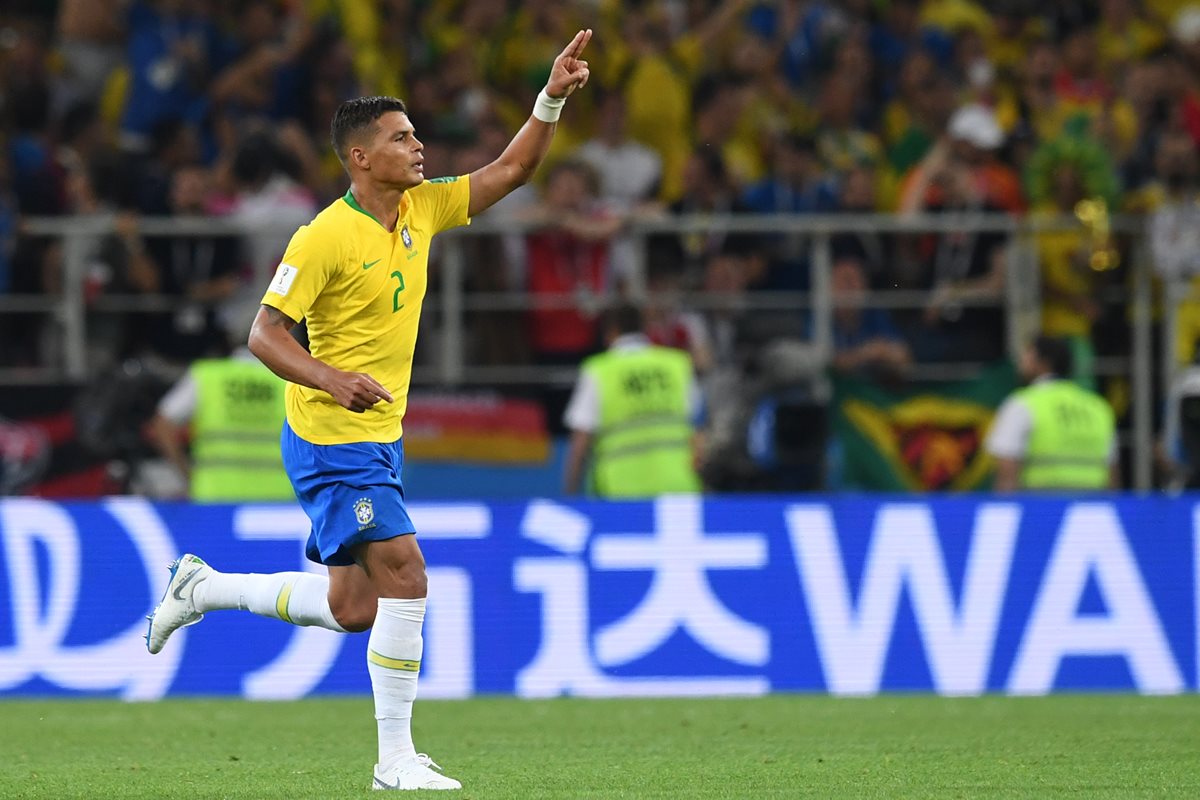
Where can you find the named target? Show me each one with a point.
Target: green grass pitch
(1087, 746)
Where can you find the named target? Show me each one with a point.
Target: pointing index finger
(378, 389)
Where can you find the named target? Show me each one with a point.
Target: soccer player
(357, 274)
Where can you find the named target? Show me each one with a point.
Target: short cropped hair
(1055, 353)
(353, 117)
(581, 168)
(625, 318)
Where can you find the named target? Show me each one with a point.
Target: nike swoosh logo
(182, 584)
(396, 784)
(373, 263)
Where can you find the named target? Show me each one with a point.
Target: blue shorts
(351, 492)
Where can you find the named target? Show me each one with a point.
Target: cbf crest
(364, 512)
(406, 237)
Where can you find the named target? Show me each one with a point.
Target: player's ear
(358, 157)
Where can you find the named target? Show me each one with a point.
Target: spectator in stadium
(376, 41)
(668, 322)
(537, 28)
(858, 194)
(1073, 176)
(708, 189)
(113, 264)
(795, 184)
(173, 49)
(90, 36)
(974, 69)
(629, 172)
(1185, 30)
(1125, 34)
(1036, 110)
(963, 270)
(1174, 233)
(864, 339)
(81, 140)
(854, 64)
(772, 106)
(719, 107)
(1053, 435)
(803, 34)
(263, 76)
(916, 115)
(569, 265)
(1148, 86)
(1015, 28)
(268, 202)
(333, 76)
(657, 74)
(634, 411)
(1085, 90)
(900, 32)
(971, 147)
(38, 179)
(232, 410)
(174, 145)
(730, 274)
(1178, 449)
(843, 142)
(198, 271)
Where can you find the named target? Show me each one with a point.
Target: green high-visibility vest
(643, 447)
(1071, 437)
(235, 433)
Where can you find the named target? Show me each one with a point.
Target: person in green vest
(1053, 435)
(234, 409)
(633, 411)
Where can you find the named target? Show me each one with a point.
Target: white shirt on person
(629, 172)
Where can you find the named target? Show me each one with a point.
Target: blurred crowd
(142, 108)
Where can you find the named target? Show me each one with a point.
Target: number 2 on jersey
(396, 304)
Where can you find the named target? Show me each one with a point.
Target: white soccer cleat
(176, 609)
(412, 773)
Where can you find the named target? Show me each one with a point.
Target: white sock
(300, 598)
(393, 660)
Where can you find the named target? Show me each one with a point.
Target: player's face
(397, 155)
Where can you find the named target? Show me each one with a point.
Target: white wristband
(548, 108)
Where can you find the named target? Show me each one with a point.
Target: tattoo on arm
(277, 319)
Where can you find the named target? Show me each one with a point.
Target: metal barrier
(449, 306)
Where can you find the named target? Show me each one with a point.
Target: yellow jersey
(360, 288)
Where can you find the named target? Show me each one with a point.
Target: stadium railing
(453, 306)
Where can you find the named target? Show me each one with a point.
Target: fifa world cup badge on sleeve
(284, 276)
(364, 512)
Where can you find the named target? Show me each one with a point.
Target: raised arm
(272, 342)
(525, 152)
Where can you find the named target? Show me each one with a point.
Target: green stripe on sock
(402, 664)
